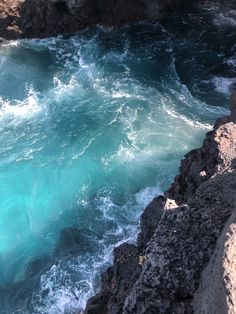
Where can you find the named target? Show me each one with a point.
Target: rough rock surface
(149, 220)
(43, 18)
(117, 281)
(180, 249)
(217, 290)
(179, 232)
(199, 165)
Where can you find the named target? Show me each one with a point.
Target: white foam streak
(223, 84)
(192, 123)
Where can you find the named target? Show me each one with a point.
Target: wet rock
(73, 241)
(149, 221)
(117, 281)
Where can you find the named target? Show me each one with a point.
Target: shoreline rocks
(181, 230)
(44, 18)
(179, 234)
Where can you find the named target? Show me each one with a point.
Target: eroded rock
(217, 291)
(179, 232)
(117, 281)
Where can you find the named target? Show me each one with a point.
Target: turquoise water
(92, 127)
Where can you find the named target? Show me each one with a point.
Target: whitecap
(18, 111)
(10, 43)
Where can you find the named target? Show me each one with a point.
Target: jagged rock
(42, 18)
(186, 236)
(150, 218)
(149, 221)
(181, 247)
(199, 165)
(180, 239)
(117, 281)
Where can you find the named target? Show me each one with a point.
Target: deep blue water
(92, 127)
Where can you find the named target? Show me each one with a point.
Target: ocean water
(92, 127)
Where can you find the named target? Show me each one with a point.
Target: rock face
(217, 290)
(117, 281)
(43, 18)
(179, 234)
(199, 165)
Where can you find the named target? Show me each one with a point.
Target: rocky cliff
(42, 18)
(179, 234)
(217, 290)
(184, 258)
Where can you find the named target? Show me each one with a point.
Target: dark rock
(178, 240)
(149, 221)
(38, 266)
(98, 303)
(43, 18)
(180, 249)
(200, 164)
(117, 281)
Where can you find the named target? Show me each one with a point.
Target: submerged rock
(178, 238)
(74, 241)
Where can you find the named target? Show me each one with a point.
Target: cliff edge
(180, 233)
